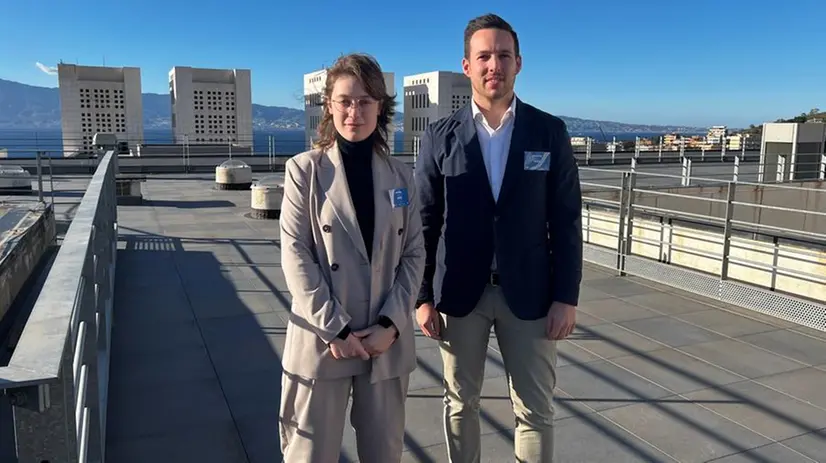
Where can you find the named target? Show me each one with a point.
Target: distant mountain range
(29, 107)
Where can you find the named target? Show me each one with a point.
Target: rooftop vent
(15, 180)
(233, 174)
(266, 197)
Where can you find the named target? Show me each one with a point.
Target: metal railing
(16, 182)
(57, 378)
(739, 242)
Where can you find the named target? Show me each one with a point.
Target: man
(501, 210)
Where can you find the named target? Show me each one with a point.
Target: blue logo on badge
(538, 160)
(398, 196)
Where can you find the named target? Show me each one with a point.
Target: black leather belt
(494, 279)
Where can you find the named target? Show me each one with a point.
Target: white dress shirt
(495, 143)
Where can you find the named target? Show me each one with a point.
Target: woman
(353, 255)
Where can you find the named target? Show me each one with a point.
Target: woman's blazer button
(326, 228)
(334, 267)
(401, 230)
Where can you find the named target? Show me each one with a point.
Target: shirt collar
(478, 117)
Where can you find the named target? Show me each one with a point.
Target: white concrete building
(429, 97)
(313, 106)
(211, 105)
(99, 99)
(792, 151)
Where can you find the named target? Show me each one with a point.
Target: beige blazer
(327, 271)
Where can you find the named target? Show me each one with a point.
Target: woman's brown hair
(364, 68)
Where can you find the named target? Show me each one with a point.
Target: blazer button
(401, 230)
(326, 228)
(334, 267)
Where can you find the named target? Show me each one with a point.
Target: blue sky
(693, 62)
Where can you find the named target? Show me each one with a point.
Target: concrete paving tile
(158, 304)
(800, 347)
(204, 443)
(671, 331)
(568, 353)
(585, 319)
(767, 453)
(812, 444)
(149, 369)
(601, 385)
(806, 384)
(741, 358)
(245, 343)
(260, 436)
(666, 303)
(726, 323)
(677, 371)
(618, 287)
(165, 408)
(592, 438)
(253, 394)
(218, 303)
(153, 337)
(587, 293)
(610, 340)
(761, 409)
(615, 310)
(684, 430)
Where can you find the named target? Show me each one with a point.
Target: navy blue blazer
(535, 228)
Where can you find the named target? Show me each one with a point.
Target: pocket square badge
(537, 160)
(398, 197)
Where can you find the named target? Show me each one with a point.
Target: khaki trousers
(313, 415)
(530, 362)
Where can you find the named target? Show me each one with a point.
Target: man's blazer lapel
(333, 182)
(516, 152)
(469, 139)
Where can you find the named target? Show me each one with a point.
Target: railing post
(732, 189)
(629, 220)
(686, 174)
(614, 150)
(660, 150)
(588, 148)
(40, 176)
(822, 174)
(621, 224)
(736, 168)
(49, 434)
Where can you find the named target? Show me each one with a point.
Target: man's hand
(561, 321)
(429, 321)
(377, 339)
(348, 348)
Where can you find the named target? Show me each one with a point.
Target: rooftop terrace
(650, 374)
(198, 316)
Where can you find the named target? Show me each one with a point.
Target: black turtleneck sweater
(358, 166)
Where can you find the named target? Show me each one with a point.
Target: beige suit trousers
(313, 415)
(530, 362)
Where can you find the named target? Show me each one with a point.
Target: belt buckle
(494, 279)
